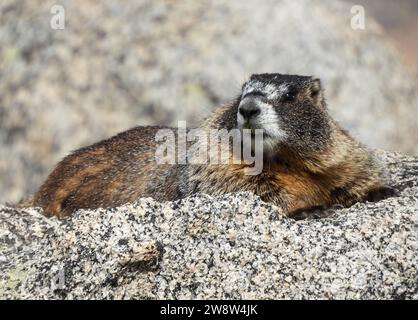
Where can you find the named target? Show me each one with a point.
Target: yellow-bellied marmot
(308, 161)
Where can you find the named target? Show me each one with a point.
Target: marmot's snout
(255, 111)
(249, 108)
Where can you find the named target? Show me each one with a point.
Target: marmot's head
(290, 109)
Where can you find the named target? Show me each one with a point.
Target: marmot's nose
(248, 108)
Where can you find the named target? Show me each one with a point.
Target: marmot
(308, 162)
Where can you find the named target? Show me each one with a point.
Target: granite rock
(229, 247)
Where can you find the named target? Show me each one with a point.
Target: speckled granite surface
(230, 247)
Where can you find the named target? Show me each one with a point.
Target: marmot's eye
(289, 96)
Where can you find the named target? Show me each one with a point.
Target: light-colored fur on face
(268, 120)
(269, 90)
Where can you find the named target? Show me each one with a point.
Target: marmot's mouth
(265, 135)
(251, 126)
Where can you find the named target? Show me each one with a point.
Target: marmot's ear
(316, 92)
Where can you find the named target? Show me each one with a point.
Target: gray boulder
(230, 247)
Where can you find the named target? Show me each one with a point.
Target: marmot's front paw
(318, 212)
(381, 194)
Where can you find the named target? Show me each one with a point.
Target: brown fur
(107, 174)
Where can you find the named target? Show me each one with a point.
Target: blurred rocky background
(119, 64)
(399, 19)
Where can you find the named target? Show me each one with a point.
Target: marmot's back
(107, 174)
